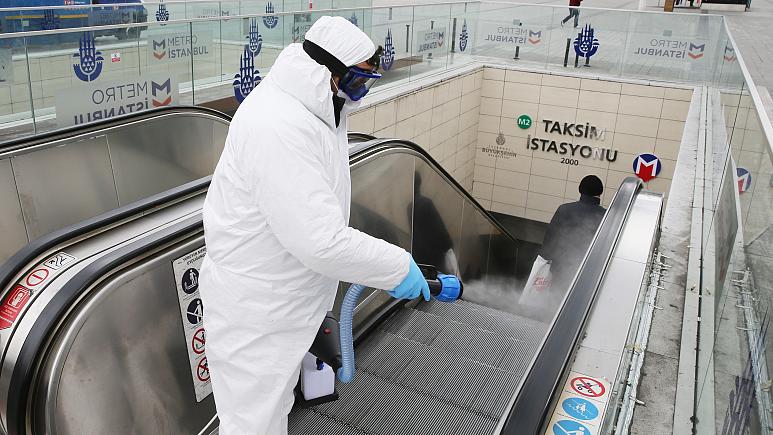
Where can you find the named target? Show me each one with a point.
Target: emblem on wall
(744, 179)
(586, 44)
(162, 14)
(463, 37)
(248, 76)
(270, 20)
(254, 40)
(388, 57)
(89, 66)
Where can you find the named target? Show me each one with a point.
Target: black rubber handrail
(542, 382)
(23, 374)
(92, 127)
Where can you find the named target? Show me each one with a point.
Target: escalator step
(307, 422)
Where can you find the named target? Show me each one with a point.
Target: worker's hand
(413, 285)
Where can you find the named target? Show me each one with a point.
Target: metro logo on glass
(254, 40)
(696, 51)
(89, 66)
(586, 44)
(388, 57)
(463, 37)
(270, 20)
(524, 122)
(535, 37)
(744, 179)
(647, 166)
(247, 78)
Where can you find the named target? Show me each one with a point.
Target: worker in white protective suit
(276, 227)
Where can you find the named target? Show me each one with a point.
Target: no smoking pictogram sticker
(588, 387)
(202, 371)
(197, 342)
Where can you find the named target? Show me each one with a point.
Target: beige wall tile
(676, 110)
(599, 101)
(549, 168)
(559, 96)
(424, 99)
(624, 163)
(539, 216)
(422, 140)
(406, 129)
(560, 81)
(490, 106)
(489, 124)
(637, 125)
(541, 202)
(547, 186)
(514, 109)
(668, 168)
(510, 196)
(519, 163)
(522, 92)
(633, 144)
(470, 100)
(455, 89)
(523, 77)
(468, 84)
(484, 159)
(640, 106)
(436, 137)
(615, 178)
(601, 120)
(469, 118)
(481, 190)
(509, 127)
(385, 115)
(671, 130)
(667, 149)
(511, 179)
(406, 107)
(572, 190)
(554, 113)
(437, 115)
(388, 132)
(493, 74)
(643, 90)
(577, 173)
(678, 94)
(363, 121)
(441, 95)
(423, 123)
(660, 185)
(507, 209)
(600, 86)
(492, 89)
(451, 109)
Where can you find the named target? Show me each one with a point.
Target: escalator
(62, 177)
(98, 343)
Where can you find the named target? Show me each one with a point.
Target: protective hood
(342, 39)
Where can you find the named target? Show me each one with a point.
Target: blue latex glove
(413, 285)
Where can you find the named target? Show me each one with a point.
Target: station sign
(186, 275)
(431, 40)
(167, 48)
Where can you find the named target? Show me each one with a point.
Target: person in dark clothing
(431, 240)
(570, 233)
(574, 11)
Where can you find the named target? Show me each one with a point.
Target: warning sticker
(37, 277)
(59, 260)
(186, 276)
(12, 306)
(581, 407)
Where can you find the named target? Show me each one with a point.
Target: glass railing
(733, 375)
(55, 78)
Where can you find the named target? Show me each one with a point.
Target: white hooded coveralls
(278, 241)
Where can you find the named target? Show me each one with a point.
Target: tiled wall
(442, 118)
(529, 183)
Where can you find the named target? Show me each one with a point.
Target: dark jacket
(570, 233)
(574, 2)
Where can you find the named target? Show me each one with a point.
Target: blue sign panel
(580, 408)
(569, 427)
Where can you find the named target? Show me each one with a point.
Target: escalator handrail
(543, 381)
(109, 123)
(365, 149)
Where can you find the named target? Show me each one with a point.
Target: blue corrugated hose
(346, 371)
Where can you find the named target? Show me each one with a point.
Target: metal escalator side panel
(531, 405)
(25, 372)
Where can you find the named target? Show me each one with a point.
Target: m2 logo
(696, 51)
(535, 37)
(271, 20)
(388, 56)
(248, 76)
(162, 93)
(89, 66)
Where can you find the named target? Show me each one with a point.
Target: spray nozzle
(445, 288)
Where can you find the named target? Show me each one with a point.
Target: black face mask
(338, 105)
